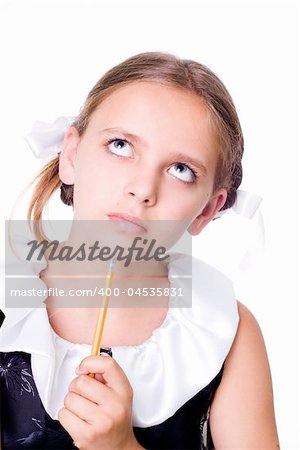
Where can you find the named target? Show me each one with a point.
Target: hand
(97, 411)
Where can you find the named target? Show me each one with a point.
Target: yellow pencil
(102, 314)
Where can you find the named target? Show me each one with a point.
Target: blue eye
(184, 173)
(120, 147)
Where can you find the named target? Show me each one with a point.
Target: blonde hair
(170, 70)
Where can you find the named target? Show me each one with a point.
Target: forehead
(157, 112)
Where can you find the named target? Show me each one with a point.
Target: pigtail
(47, 182)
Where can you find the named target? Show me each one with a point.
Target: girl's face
(149, 151)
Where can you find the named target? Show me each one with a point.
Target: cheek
(96, 184)
(92, 171)
(188, 204)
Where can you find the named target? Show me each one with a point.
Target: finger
(112, 373)
(83, 433)
(91, 389)
(91, 412)
(78, 429)
(99, 377)
(82, 407)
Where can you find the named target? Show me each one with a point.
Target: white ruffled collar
(181, 357)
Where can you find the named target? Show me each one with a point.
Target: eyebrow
(176, 156)
(130, 136)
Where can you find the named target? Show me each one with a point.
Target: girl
(158, 139)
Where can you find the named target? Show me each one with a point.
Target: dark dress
(26, 424)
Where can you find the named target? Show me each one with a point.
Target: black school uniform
(174, 374)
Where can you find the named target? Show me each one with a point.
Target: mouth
(128, 222)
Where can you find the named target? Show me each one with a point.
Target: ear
(215, 203)
(68, 155)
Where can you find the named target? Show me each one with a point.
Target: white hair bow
(45, 139)
(246, 204)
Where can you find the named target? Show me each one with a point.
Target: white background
(52, 53)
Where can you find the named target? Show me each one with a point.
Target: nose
(143, 189)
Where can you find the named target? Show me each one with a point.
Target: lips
(127, 218)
